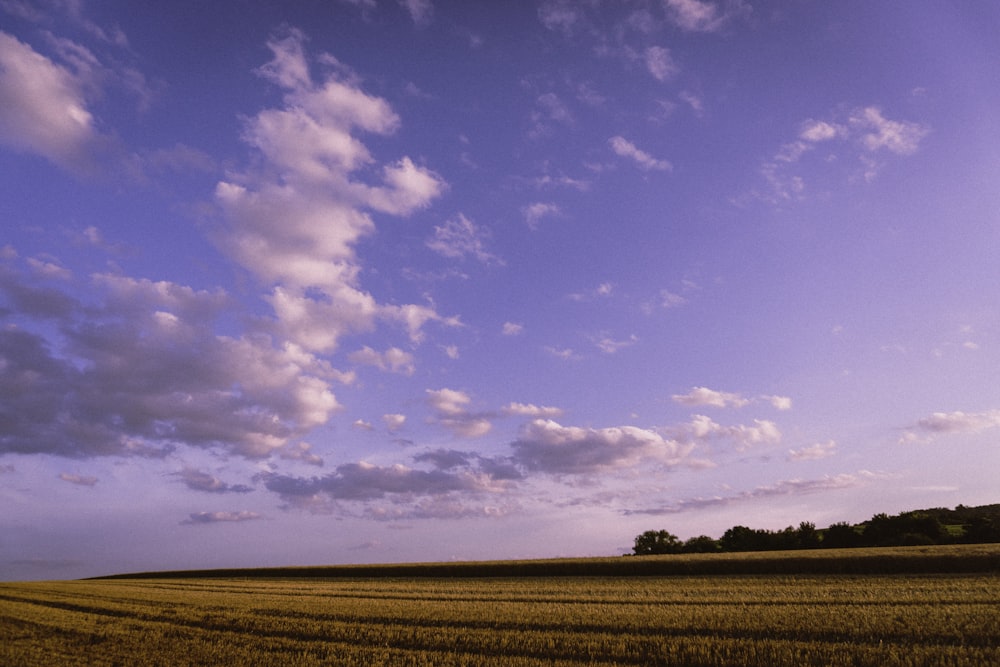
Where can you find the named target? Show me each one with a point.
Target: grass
(354, 617)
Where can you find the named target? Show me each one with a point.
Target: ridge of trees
(938, 525)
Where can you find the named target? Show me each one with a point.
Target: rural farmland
(786, 617)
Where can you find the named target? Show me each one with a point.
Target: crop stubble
(710, 620)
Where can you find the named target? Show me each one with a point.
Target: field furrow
(752, 620)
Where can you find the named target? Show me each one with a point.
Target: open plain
(430, 618)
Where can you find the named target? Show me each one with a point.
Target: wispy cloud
(704, 16)
(820, 450)
(789, 487)
(79, 480)
(625, 148)
(198, 480)
(703, 396)
(660, 63)
(863, 134)
(202, 518)
(459, 238)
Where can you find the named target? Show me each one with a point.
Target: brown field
(779, 618)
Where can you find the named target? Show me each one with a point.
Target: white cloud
(512, 329)
(940, 423)
(609, 345)
(702, 396)
(701, 16)
(294, 222)
(692, 100)
(546, 446)
(421, 11)
(459, 238)
(780, 402)
(393, 422)
(864, 133)
(146, 374)
(703, 429)
(564, 353)
(878, 132)
(43, 107)
(817, 130)
(559, 15)
(660, 63)
(393, 360)
(534, 212)
(820, 450)
(531, 410)
(625, 148)
(452, 411)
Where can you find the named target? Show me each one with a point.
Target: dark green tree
(656, 542)
(841, 535)
(703, 544)
(807, 536)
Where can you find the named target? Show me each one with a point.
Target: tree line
(939, 525)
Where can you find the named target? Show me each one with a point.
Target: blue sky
(379, 281)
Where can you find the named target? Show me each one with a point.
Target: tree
(841, 535)
(656, 542)
(703, 544)
(807, 536)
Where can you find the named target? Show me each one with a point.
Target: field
(747, 619)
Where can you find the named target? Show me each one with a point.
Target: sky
(366, 281)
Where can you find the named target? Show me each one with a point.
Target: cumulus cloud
(702, 396)
(198, 480)
(779, 402)
(941, 423)
(294, 223)
(456, 478)
(140, 372)
(451, 408)
(300, 451)
(198, 518)
(393, 360)
(393, 422)
(820, 450)
(459, 238)
(546, 446)
(43, 107)
(702, 429)
(625, 148)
